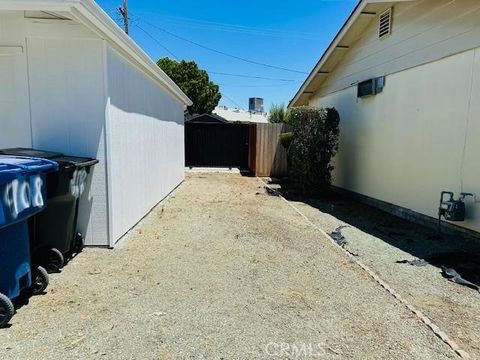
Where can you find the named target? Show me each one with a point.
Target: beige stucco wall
(417, 138)
(422, 32)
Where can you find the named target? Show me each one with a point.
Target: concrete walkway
(224, 271)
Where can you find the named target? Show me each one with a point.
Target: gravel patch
(390, 246)
(223, 271)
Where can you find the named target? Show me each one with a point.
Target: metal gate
(216, 145)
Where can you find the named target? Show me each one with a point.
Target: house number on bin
(77, 184)
(22, 194)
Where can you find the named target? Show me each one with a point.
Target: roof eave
(99, 19)
(338, 38)
(356, 13)
(91, 15)
(35, 5)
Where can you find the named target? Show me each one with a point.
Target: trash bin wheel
(39, 280)
(50, 258)
(6, 310)
(54, 260)
(78, 247)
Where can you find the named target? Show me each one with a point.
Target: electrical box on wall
(371, 87)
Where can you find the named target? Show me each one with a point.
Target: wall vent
(385, 24)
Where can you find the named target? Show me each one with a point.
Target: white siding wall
(55, 100)
(68, 102)
(423, 31)
(145, 143)
(405, 145)
(14, 106)
(55, 77)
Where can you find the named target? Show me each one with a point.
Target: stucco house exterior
(72, 81)
(405, 78)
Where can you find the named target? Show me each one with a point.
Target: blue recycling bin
(53, 232)
(22, 195)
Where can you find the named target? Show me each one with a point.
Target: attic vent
(385, 24)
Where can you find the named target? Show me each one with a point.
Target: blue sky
(289, 34)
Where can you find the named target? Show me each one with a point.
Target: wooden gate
(267, 155)
(216, 145)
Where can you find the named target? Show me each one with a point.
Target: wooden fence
(267, 156)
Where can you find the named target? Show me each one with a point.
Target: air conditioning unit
(371, 87)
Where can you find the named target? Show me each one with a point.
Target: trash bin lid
(65, 162)
(74, 161)
(30, 153)
(16, 164)
(22, 186)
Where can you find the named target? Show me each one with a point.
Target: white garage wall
(407, 144)
(14, 105)
(68, 108)
(145, 141)
(55, 76)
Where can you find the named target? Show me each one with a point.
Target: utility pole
(124, 12)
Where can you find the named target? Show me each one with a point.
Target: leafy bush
(278, 114)
(286, 139)
(315, 143)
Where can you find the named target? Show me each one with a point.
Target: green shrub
(278, 114)
(286, 139)
(314, 144)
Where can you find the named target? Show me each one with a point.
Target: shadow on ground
(441, 250)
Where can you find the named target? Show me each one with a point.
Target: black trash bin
(54, 237)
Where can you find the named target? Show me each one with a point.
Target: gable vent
(385, 24)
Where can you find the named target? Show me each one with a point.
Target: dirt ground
(381, 241)
(222, 271)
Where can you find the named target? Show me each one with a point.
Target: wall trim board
(408, 214)
(7, 50)
(319, 95)
(111, 240)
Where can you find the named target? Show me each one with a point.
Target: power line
(224, 53)
(228, 27)
(232, 101)
(164, 47)
(158, 42)
(220, 73)
(252, 76)
(216, 72)
(254, 86)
